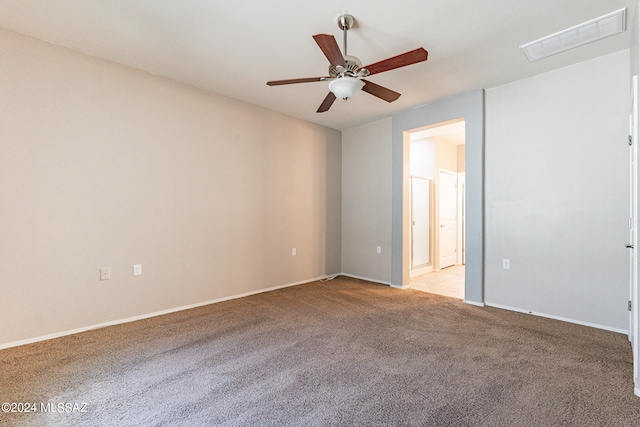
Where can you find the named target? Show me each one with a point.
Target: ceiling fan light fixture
(345, 87)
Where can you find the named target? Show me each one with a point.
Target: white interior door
(420, 222)
(461, 218)
(447, 203)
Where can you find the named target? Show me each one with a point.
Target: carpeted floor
(344, 352)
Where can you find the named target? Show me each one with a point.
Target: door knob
(629, 246)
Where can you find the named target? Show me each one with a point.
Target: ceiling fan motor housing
(353, 68)
(352, 65)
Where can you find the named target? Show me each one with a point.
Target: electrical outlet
(379, 249)
(137, 269)
(105, 273)
(293, 251)
(506, 264)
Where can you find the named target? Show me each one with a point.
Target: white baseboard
(245, 294)
(367, 279)
(420, 271)
(145, 316)
(478, 304)
(564, 319)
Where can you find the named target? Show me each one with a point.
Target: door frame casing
(634, 326)
(469, 106)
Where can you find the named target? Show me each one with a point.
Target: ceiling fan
(346, 72)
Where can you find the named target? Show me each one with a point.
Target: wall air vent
(587, 32)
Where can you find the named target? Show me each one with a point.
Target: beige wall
(446, 156)
(105, 166)
(461, 157)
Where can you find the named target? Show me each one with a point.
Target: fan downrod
(353, 65)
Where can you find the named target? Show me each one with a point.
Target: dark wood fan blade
(326, 104)
(402, 60)
(330, 48)
(380, 91)
(292, 81)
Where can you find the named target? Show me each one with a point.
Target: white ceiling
(234, 47)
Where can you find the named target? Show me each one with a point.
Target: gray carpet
(344, 352)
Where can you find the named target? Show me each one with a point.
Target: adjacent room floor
(448, 282)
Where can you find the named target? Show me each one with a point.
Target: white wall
(366, 201)
(557, 193)
(105, 166)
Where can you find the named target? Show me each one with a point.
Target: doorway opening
(437, 208)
